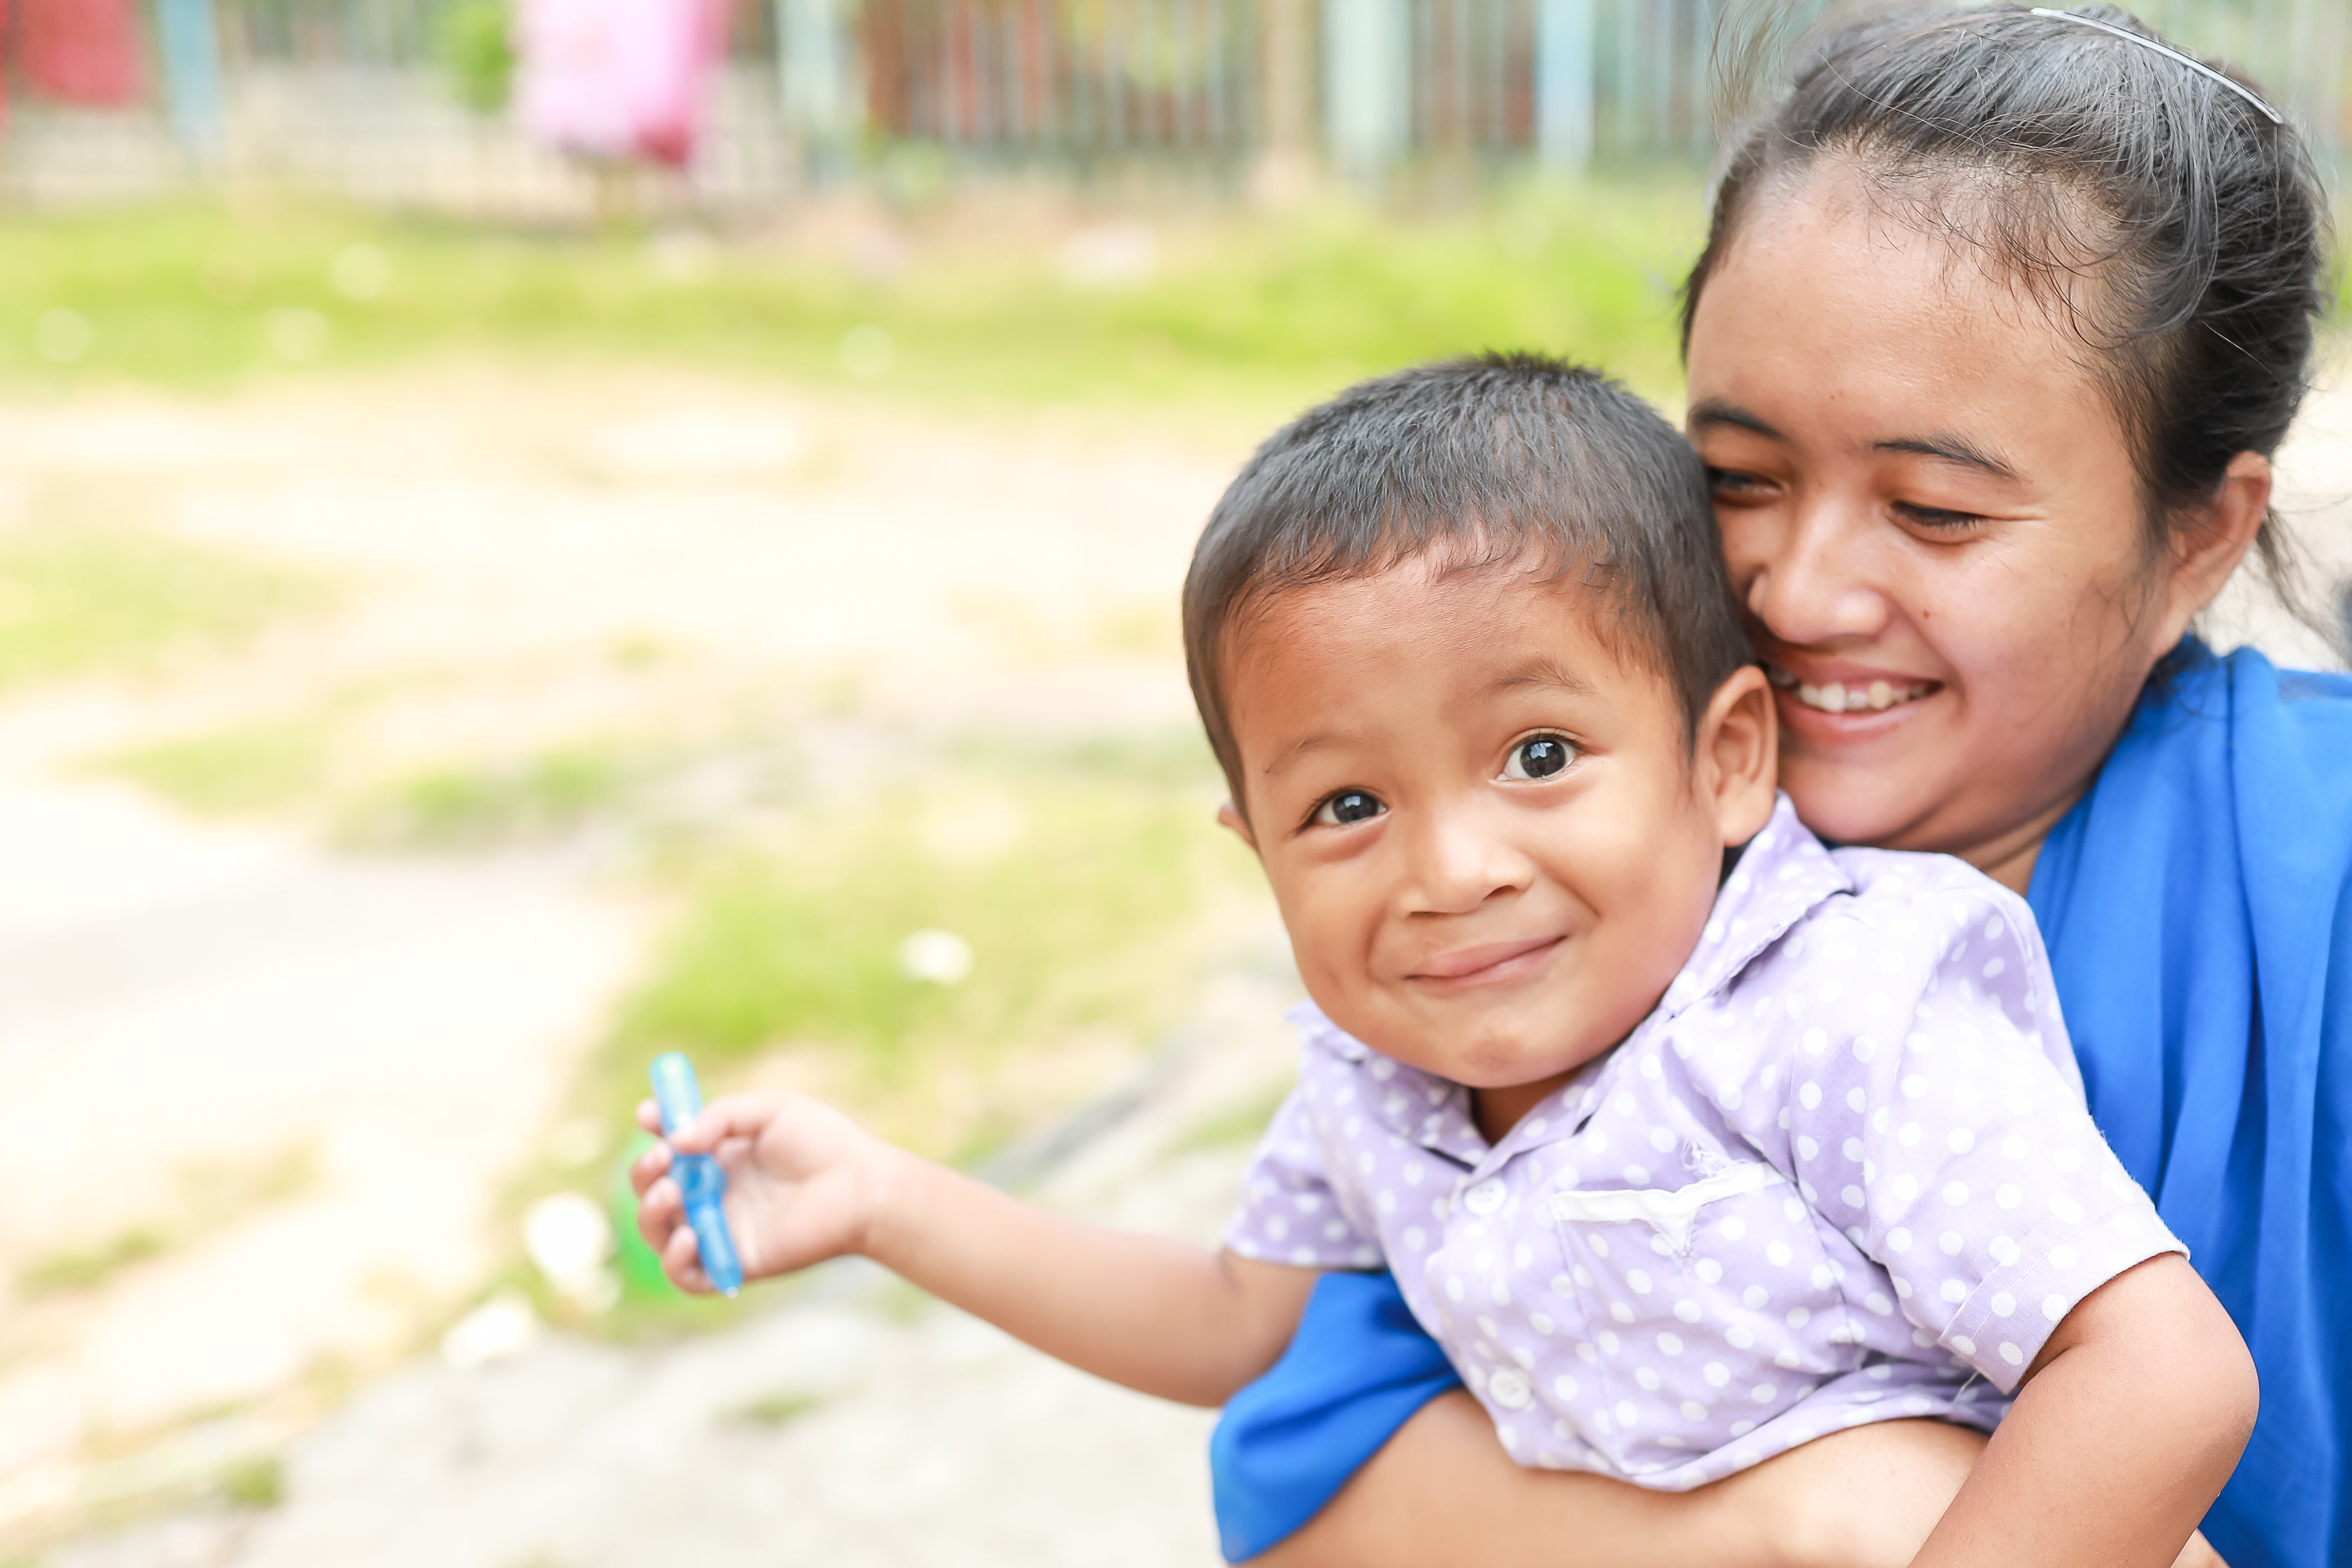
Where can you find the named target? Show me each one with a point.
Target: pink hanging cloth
(618, 78)
(83, 51)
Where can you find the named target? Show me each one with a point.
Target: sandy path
(306, 1076)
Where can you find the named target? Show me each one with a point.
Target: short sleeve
(1289, 1211)
(1935, 1117)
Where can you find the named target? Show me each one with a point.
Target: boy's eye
(1538, 757)
(1348, 806)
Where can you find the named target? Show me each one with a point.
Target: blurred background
(534, 532)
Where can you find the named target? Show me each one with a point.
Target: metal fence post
(188, 37)
(1367, 83)
(1564, 68)
(817, 69)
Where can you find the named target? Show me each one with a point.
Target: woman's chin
(1847, 802)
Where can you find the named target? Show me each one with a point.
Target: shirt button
(1486, 1197)
(1509, 1389)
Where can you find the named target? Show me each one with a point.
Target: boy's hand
(801, 1183)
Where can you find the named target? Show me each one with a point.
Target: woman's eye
(1731, 484)
(1348, 807)
(1538, 757)
(1937, 518)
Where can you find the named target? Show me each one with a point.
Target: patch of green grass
(241, 770)
(1076, 884)
(255, 1481)
(1261, 310)
(779, 1409)
(76, 598)
(771, 950)
(83, 1269)
(473, 808)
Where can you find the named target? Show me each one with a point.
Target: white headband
(2199, 67)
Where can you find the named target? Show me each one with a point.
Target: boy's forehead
(1357, 641)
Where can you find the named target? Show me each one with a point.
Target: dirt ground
(312, 1072)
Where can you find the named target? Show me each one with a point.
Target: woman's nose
(1809, 582)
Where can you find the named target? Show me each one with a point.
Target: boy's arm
(2131, 1422)
(1161, 1316)
(806, 1184)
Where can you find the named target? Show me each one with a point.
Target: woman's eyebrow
(1709, 411)
(1950, 449)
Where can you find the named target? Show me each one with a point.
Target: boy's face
(1490, 847)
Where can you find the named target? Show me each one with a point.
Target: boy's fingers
(682, 1261)
(661, 1214)
(736, 1116)
(649, 1168)
(649, 1117)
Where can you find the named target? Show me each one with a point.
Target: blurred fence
(380, 100)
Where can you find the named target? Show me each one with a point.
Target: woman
(2000, 322)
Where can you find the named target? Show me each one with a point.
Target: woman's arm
(1443, 1492)
(2131, 1420)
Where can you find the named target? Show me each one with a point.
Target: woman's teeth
(1878, 697)
(1834, 697)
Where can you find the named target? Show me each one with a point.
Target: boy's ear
(1229, 816)
(1737, 754)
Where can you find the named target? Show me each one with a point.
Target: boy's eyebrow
(1954, 450)
(1544, 670)
(1317, 741)
(1718, 411)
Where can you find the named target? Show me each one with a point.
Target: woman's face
(1932, 518)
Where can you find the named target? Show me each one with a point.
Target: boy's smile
(1492, 840)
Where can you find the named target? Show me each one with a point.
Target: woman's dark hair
(2179, 228)
(1507, 460)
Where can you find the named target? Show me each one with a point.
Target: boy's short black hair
(1506, 457)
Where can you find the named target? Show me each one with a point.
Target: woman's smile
(1858, 693)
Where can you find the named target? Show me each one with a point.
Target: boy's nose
(1459, 863)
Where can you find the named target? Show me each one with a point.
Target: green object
(478, 46)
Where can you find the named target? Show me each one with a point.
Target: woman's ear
(1229, 817)
(2208, 544)
(1737, 754)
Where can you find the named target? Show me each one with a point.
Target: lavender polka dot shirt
(1843, 1173)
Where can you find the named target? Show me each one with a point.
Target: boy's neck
(1497, 1110)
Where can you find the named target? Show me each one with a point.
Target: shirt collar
(1429, 1110)
(1783, 872)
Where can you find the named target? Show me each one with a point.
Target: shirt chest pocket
(1710, 1308)
(1717, 1289)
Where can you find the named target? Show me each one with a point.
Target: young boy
(1688, 1139)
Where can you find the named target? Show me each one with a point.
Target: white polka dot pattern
(1842, 1174)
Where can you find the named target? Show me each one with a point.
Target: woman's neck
(2009, 858)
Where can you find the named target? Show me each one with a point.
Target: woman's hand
(802, 1184)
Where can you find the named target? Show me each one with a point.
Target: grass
(779, 1409)
(76, 598)
(1261, 310)
(539, 796)
(241, 770)
(1078, 876)
(83, 1269)
(256, 1481)
(212, 1198)
(804, 949)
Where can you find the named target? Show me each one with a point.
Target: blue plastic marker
(698, 1177)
